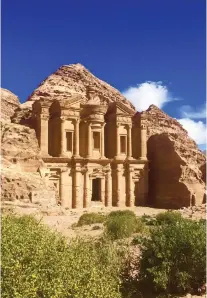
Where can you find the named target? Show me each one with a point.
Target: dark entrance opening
(96, 190)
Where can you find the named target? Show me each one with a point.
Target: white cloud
(189, 112)
(196, 130)
(148, 93)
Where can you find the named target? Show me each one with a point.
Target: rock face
(68, 81)
(20, 147)
(21, 165)
(73, 80)
(175, 176)
(17, 185)
(23, 114)
(9, 102)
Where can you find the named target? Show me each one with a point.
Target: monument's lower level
(82, 183)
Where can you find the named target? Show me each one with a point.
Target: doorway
(96, 190)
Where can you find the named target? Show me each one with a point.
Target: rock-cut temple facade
(94, 150)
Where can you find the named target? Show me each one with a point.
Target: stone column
(76, 191)
(86, 189)
(102, 141)
(117, 141)
(143, 142)
(44, 134)
(62, 138)
(65, 188)
(76, 145)
(89, 140)
(130, 188)
(118, 186)
(103, 190)
(129, 142)
(108, 189)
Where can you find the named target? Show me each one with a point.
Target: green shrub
(122, 224)
(174, 257)
(118, 213)
(148, 220)
(168, 217)
(91, 218)
(37, 262)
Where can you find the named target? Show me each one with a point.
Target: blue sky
(126, 43)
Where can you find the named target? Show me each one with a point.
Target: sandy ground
(62, 220)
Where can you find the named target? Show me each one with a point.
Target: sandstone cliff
(72, 80)
(19, 146)
(175, 162)
(20, 163)
(9, 103)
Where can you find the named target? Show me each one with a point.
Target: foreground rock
(194, 212)
(9, 103)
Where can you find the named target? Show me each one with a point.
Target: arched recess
(54, 129)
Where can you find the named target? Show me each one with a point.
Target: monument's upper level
(90, 127)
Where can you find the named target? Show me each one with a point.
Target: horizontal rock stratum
(176, 165)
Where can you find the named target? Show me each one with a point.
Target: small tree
(173, 259)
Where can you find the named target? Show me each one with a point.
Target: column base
(143, 158)
(63, 155)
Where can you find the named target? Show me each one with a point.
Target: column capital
(62, 170)
(76, 121)
(143, 126)
(62, 118)
(44, 116)
(129, 126)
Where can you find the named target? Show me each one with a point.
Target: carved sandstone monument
(95, 149)
(92, 150)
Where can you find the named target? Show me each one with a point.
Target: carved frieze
(97, 173)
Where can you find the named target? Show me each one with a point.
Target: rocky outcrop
(175, 176)
(21, 177)
(19, 146)
(70, 80)
(23, 114)
(18, 185)
(9, 103)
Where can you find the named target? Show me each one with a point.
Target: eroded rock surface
(73, 80)
(23, 114)
(175, 177)
(21, 163)
(9, 103)
(19, 146)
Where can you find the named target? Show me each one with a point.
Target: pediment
(73, 102)
(122, 109)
